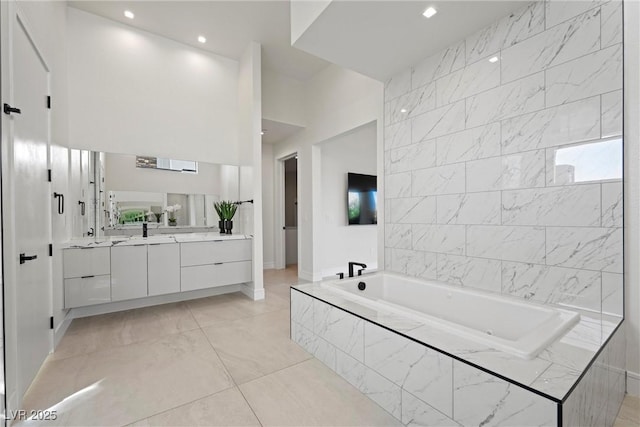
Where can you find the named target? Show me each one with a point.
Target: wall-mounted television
(362, 199)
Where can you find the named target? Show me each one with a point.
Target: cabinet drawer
(210, 276)
(200, 253)
(164, 269)
(83, 291)
(86, 262)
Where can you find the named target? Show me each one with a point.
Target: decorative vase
(173, 222)
(221, 227)
(228, 225)
(158, 216)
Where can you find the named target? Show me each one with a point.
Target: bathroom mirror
(115, 195)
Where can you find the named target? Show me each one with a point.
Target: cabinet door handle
(60, 198)
(87, 277)
(24, 258)
(218, 263)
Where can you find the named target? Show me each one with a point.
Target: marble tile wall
(503, 158)
(416, 384)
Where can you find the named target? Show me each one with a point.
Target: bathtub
(508, 324)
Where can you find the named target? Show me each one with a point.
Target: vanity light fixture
(493, 59)
(202, 39)
(429, 12)
(129, 14)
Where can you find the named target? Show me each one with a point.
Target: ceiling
(229, 26)
(381, 38)
(277, 131)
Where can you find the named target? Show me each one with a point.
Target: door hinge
(51, 322)
(50, 249)
(49, 102)
(49, 175)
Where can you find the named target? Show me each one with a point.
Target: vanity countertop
(151, 240)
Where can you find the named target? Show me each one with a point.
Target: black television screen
(362, 199)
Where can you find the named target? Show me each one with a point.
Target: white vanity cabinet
(163, 268)
(87, 276)
(215, 263)
(128, 272)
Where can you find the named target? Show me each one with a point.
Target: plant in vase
(171, 210)
(226, 210)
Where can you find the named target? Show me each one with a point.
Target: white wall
(134, 92)
(250, 145)
(340, 243)
(268, 222)
(336, 101)
(632, 193)
(282, 98)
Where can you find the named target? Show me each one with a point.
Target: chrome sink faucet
(359, 264)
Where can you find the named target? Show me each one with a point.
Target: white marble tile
(448, 179)
(397, 85)
(397, 135)
(612, 114)
(387, 258)
(506, 243)
(611, 19)
(508, 31)
(412, 366)
(556, 380)
(416, 413)
(414, 263)
(471, 144)
(612, 204)
(612, 293)
(413, 210)
(442, 63)
(448, 239)
(593, 74)
(302, 309)
(471, 80)
(379, 389)
(519, 170)
(469, 208)
(398, 236)
(416, 102)
(575, 205)
(513, 99)
(398, 185)
(561, 43)
(565, 124)
(415, 156)
(585, 247)
(482, 399)
(315, 345)
(558, 11)
(339, 328)
(476, 273)
(438, 122)
(552, 285)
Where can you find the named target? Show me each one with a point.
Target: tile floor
(218, 361)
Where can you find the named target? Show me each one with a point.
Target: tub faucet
(359, 264)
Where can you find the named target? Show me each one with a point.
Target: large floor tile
(226, 408)
(310, 394)
(223, 308)
(95, 333)
(129, 383)
(255, 346)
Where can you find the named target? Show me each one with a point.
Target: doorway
(291, 213)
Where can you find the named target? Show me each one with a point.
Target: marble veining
(611, 32)
(339, 329)
(414, 263)
(469, 208)
(415, 156)
(446, 179)
(473, 79)
(479, 273)
(589, 248)
(612, 204)
(612, 114)
(413, 210)
(505, 242)
(446, 61)
(397, 135)
(471, 144)
(416, 102)
(442, 238)
(416, 413)
(438, 122)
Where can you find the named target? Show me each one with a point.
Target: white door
(32, 217)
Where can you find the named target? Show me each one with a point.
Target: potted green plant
(225, 210)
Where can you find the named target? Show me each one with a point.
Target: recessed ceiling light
(493, 59)
(429, 12)
(202, 39)
(129, 14)
(403, 110)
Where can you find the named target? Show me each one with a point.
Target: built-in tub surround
(503, 159)
(423, 374)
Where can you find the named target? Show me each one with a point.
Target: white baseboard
(633, 383)
(312, 277)
(113, 307)
(254, 294)
(59, 332)
(269, 265)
